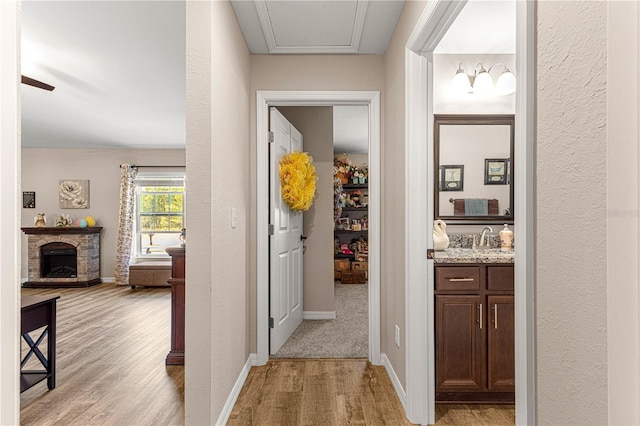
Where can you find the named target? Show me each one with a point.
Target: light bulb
(506, 83)
(483, 83)
(460, 84)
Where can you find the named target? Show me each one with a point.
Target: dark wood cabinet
(177, 281)
(475, 357)
(459, 345)
(501, 366)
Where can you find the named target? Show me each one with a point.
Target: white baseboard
(233, 396)
(319, 315)
(402, 395)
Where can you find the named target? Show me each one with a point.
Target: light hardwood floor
(340, 392)
(111, 347)
(318, 392)
(475, 414)
(112, 343)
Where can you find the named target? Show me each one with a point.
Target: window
(160, 213)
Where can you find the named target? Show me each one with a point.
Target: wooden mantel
(177, 281)
(58, 230)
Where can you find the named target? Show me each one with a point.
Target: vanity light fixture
(481, 82)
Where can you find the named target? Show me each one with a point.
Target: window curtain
(126, 222)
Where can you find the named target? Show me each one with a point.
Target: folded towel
(476, 207)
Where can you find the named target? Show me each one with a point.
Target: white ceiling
(351, 129)
(337, 26)
(482, 27)
(119, 66)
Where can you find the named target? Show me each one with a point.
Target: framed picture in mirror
(452, 178)
(495, 171)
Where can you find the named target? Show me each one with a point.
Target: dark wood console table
(37, 312)
(177, 281)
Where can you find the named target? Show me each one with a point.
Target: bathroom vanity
(474, 325)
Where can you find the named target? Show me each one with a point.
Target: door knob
(303, 237)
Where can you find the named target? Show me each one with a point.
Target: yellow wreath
(298, 180)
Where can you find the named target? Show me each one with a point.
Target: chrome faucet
(483, 242)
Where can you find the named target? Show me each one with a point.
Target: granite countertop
(467, 255)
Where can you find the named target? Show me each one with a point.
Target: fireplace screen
(58, 260)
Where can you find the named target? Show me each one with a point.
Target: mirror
(473, 167)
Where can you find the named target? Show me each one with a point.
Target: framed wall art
(451, 178)
(495, 171)
(73, 193)
(28, 200)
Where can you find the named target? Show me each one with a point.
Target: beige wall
(43, 168)
(392, 176)
(316, 126)
(571, 287)
(218, 177)
(303, 72)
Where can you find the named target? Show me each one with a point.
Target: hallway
(317, 392)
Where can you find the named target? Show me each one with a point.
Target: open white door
(285, 243)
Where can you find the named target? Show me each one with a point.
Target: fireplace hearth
(63, 256)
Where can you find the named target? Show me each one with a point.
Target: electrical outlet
(397, 336)
(234, 217)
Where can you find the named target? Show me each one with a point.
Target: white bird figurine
(440, 237)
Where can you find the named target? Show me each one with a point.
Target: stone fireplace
(63, 257)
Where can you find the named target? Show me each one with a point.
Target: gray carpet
(345, 337)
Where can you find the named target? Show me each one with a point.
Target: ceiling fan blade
(35, 83)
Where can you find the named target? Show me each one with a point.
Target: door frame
(264, 100)
(420, 375)
(10, 211)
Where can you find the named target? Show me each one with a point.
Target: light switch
(234, 217)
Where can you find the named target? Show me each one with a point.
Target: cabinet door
(459, 331)
(501, 345)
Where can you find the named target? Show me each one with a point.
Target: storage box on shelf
(353, 277)
(339, 266)
(360, 266)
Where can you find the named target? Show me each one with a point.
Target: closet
(351, 225)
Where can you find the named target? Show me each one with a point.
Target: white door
(285, 245)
